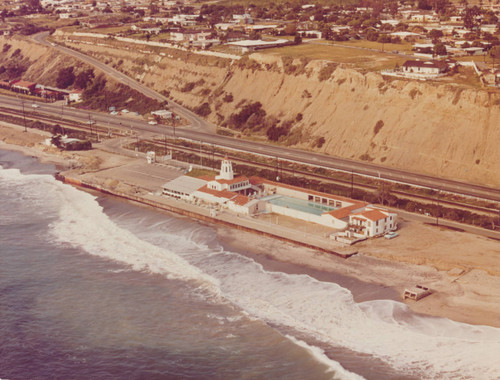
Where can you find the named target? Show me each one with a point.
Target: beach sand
(462, 269)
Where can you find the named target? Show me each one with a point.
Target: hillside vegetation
(23, 59)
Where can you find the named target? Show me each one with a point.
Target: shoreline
(464, 291)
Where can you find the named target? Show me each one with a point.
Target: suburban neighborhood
(425, 33)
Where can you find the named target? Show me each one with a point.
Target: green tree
(84, 78)
(372, 35)
(65, 78)
(495, 54)
(290, 29)
(435, 34)
(471, 17)
(440, 49)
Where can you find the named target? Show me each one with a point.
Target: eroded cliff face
(431, 128)
(428, 127)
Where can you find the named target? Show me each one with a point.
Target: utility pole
(277, 169)
(213, 156)
(201, 156)
(90, 126)
(173, 122)
(352, 183)
(437, 211)
(165, 153)
(24, 118)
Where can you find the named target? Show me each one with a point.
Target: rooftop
(185, 184)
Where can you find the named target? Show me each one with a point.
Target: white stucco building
(372, 221)
(430, 67)
(250, 196)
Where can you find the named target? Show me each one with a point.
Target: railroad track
(66, 123)
(347, 183)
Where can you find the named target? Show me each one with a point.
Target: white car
(152, 122)
(391, 235)
(34, 105)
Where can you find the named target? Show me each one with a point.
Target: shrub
(6, 48)
(65, 78)
(188, 87)
(275, 133)
(203, 110)
(378, 127)
(326, 72)
(319, 142)
(228, 98)
(84, 78)
(238, 120)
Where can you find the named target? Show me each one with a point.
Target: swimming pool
(300, 205)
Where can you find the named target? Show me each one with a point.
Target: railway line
(98, 130)
(490, 211)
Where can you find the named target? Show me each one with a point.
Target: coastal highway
(279, 152)
(196, 122)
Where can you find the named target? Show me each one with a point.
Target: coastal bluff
(437, 128)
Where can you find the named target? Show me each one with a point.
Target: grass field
(403, 47)
(358, 58)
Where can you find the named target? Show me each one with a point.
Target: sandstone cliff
(433, 128)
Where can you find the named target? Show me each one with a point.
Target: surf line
(198, 215)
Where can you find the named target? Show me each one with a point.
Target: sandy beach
(463, 269)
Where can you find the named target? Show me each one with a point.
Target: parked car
(391, 235)
(152, 122)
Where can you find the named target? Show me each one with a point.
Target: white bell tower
(226, 170)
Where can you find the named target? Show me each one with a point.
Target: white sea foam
(339, 372)
(83, 224)
(427, 347)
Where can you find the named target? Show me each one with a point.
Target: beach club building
(254, 195)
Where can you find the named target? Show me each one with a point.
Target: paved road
(195, 121)
(314, 159)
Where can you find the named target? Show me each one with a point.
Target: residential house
(372, 221)
(23, 87)
(431, 67)
(245, 46)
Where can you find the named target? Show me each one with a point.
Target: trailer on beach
(417, 292)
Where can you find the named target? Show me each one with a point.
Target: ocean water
(92, 287)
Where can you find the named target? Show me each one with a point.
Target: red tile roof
(221, 194)
(24, 84)
(240, 200)
(346, 211)
(373, 215)
(234, 180)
